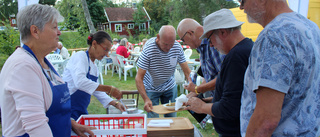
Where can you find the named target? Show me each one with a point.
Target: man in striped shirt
(157, 64)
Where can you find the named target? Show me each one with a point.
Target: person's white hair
(37, 15)
(123, 42)
(60, 43)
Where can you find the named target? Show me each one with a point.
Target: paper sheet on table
(161, 121)
(180, 100)
(159, 125)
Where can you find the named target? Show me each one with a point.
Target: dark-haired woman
(81, 74)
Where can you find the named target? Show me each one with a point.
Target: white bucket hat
(221, 19)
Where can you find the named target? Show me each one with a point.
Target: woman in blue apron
(35, 101)
(81, 74)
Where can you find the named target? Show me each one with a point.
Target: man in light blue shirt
(281, 87)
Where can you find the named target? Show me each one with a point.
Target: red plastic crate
(115, 125)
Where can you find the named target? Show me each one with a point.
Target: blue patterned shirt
(286, 58)
(210, 60)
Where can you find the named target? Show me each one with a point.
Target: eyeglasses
(183, 36)
(105, 49)
(241, 2)
(210, 37)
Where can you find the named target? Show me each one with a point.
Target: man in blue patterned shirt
(189, 31)
(281, 90)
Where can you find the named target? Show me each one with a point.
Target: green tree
(48, 2)
(96, 10)
(139, 17)
(157, 12)
(197, 10)
(88, 16)
(7, 8)
(72, 12)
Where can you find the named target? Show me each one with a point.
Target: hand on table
(120, 106)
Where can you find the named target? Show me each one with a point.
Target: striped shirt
(160, 66)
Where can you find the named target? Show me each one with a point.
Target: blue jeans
(164, 97)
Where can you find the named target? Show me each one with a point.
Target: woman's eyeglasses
(105, 49)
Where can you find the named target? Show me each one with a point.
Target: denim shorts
(164, 98)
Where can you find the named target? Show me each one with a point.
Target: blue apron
(59, 111)
(80, 100)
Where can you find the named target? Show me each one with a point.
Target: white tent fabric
(22, 3)
(299, 6)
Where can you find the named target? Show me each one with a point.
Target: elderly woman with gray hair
(35, 101)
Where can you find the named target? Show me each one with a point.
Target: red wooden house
(120, 20)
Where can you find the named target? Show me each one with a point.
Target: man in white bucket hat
(222, 30)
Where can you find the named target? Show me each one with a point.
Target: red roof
(119, 14)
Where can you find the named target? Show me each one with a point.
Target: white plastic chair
(63, 66)
(115, 63)
(107, 66)
(100, 78)
(103, 64)
(73, 52)
(188, 53)
(125, 68)
(57, 61)
(136, 49)
(52, 57)
(179, 80)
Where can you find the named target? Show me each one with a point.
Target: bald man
(157, 64)
(189, 31)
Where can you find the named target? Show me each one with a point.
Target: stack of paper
(160, 123)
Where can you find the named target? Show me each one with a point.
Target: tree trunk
(88, 17)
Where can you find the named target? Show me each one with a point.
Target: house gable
(123, 16)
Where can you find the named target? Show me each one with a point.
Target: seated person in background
(122, 50)
(56, 51)
(115, 44)
(129, 46)
(63, 51)
(143, 43)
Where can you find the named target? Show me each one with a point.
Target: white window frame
(130, 26)
(13, 21)
(142, 27)
(116, 26)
